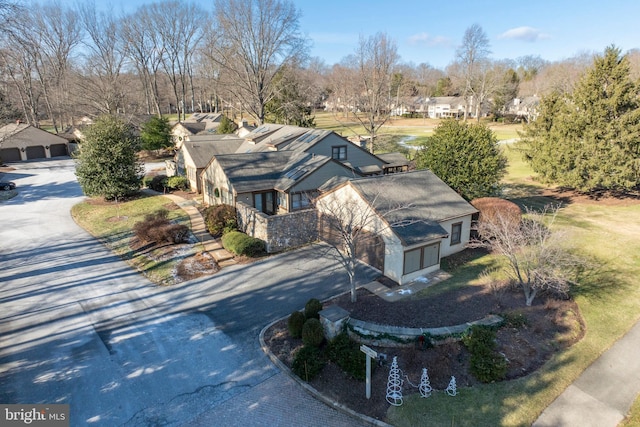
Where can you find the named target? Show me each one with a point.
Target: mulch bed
(551, 325)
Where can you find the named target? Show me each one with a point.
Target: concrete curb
(312, 391)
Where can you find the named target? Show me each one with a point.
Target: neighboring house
(414, 217)
(20, 141)
(196, 124)
(244, 128)
(327, 143)
(526, 108)
(196, 152)
(441, 107)
(271, 182)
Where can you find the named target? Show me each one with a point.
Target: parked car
(7, 185)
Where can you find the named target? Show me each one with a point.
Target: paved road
(78, 326)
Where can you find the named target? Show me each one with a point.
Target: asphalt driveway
(78, 326)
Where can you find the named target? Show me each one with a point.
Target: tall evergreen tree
(156, 134)
(106, 163)
(466, 157)
(590, 140)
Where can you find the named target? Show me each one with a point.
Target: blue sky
(429, 31)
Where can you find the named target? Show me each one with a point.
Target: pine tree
(107, 164)
(466, 157)
(590, 140)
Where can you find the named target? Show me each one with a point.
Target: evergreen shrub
(312, 333)
(242, 244)
(295, 323)
(346, 354)
(312, 308)
(307, 363)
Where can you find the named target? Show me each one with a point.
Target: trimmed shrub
(312, 308)
(242, 244)
(312, 333)
(221, 219)
(295, 323)
(486, 364)
(159, 183)
(307, 363)
(346, 354)
(146, 181)
(492, 208)
(177, 183)
(156, 228)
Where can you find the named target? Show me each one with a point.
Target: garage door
(369, 247)
(58, 150)
(10, 155)
(35, 152)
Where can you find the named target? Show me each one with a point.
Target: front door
(265, 202)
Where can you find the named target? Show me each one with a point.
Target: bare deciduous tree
(376, 58)
(474, 49)
(349, 224)
(145, 49)
(181, 28)
(256, 38)
(537, 256)
(100, 82)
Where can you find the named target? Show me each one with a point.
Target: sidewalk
(603, 394)
(397, 293)
(198, 228)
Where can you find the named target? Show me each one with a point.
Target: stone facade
(333, 320)
(279, 232)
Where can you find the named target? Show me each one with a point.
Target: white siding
(445, 248)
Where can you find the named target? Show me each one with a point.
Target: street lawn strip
(113, 223)
(609, 303)
(633, 419)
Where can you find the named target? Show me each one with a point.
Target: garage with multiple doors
(21, 141)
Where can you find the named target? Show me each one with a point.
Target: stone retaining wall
(395, 336)
(279, 232)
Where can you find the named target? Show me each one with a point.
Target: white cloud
(527, 34)
(429, 40)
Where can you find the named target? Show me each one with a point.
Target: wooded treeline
(59, 63)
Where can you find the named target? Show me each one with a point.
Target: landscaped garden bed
(528, 338)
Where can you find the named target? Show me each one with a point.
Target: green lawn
(113, 224)
(412, 132)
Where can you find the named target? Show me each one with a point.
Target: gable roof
(413, 203)
(11, 129)
(262, 171)
(201, 151)
(193, 127)
(271, 139)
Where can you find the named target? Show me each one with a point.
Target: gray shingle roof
(413, 203)
(394, 159)
(202, 151)
(249, 172)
